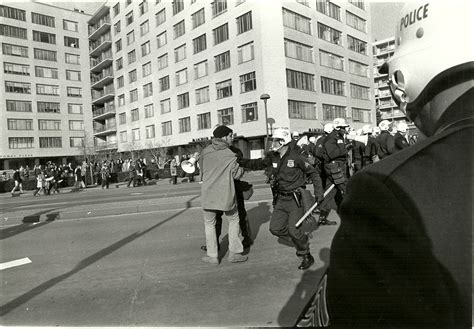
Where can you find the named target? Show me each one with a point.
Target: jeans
(235, 244)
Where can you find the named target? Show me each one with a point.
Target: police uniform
(400, 142)
(386, 144)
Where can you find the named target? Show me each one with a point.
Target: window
(145, 48)
(44, 37)
(329, 34)
(146, 69)
(359, 69)
(224, 89)
(361, 115)
(42, 19)
(330, 60)
(121, 100)
(118, 45)
(135, 115)
(13, 32)
(46, 72)
(52, 90)
(163, 61)
(130, 37)
(221, 33)
(299, 80)
(178, 5)
(136, 134)
(117, 28)
(117, 9)
(248, 82)
(179, 29)
(74, 108)
(144, 28)
(301, 110)
(199, 44)
(183, 101)
(198, 18)
(71, 42)
(49, 107)
(202, 95)
(14, 50)
(222, 61)
(331, 112)
(12, 13)
(122, 118)
(200, 70)
(358, 3)
(161, 39)
(20, 142)
(226, 116)
(181, 77)
(244, 23)
(120, 82)
(73, 75)
(19, 69)
(132, 57)
(76, 125)
(133, 95)
(123, 136)
(246, 53)
(160, 17)
(20, 124)
(74, 92)
(166, 128)
(149, 111)
(143, 7)
(164, 83)
(249, 112)
(72, 59)
(129, 18)
(119, 63)
(70, 25)
(150, 131)
(132, 76)
(296, 21)
(332, 86)
(49, 124)
(165, 106)
(45, 55)
(76, 141)
(180, 53)
(298, 51)
(184, 124)
(204, 121)
(18, 106)
(356, 22)
(148, 90)
(360, 92)
(17, 87)
(356, 45)
(328, 8)
(218, 7)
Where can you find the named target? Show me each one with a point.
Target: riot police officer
(400, 141)
(385, 140)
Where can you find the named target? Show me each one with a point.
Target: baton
(310, 210)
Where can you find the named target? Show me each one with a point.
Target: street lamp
(265, 97)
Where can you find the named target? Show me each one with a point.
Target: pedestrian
(290, 171)
(83, 173)
(18, 182)
(39, 184)
(174, 171)
(78, 178)
(132, 174)
(402, 257)
(219, 169)
(105, 175)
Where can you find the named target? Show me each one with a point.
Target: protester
(18, 182)
(105, 175)
(39, 184)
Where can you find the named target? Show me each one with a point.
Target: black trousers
(243, 219)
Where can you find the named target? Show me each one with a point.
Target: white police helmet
(402, 127)
(328, 127)
(312, 139)
(280, 138)
(340, 122)
(384, 125)
(432, 47)
(366, 129)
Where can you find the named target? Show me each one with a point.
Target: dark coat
(402, 255)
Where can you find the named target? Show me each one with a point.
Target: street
(132, 257)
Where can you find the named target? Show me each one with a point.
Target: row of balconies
(100, 45)
(99, 28)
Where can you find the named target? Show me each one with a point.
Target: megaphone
(189, 166)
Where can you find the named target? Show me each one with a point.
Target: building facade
(165, 73)
(45, 86)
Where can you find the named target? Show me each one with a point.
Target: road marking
(43, 205)
(136, 193)
(14, 263)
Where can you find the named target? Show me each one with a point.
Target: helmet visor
(397, 89)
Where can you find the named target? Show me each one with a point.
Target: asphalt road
(135, 261)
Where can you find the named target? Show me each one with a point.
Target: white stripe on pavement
(14, 263)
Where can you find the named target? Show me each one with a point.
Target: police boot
(323, 220)
(308, 260)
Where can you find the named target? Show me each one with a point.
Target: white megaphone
(189, 166)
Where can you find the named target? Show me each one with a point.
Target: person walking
(132, 174)
(174, 171)
(39, 183)
(219, 169)
(105, 175)
(18, 182)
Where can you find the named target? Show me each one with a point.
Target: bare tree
(89, 151)
(157, 151)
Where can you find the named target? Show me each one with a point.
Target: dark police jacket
(402, 255)
(335, 146)
(400, 142)
(386, 144)
(290, 170)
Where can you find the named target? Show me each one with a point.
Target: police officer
(400, 140)
(320, 152)
(385, 140)
(402, 257)
(290, 171)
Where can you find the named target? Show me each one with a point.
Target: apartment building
(45, 86)
(165, 73)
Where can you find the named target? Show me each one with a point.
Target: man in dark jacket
(400, 141)
(18, 182)
(385, 140)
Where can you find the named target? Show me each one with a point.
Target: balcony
(104, 130)
(384, 105)
(99, 46)
(99, 81)
(100, 28)
(100, 97)
(106, 146)
(394, 114)
(103, 113)
(99, 63)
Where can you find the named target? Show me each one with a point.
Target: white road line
(136, 193)
(14, 263)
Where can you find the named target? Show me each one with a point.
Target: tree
(157, 151)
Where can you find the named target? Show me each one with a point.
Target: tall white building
(165, 73)
(45, 86)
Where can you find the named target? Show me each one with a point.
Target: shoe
(237, 258)
(308, 260)
(204, 248)
(211, 260)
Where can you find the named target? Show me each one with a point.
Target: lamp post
(265, 97)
